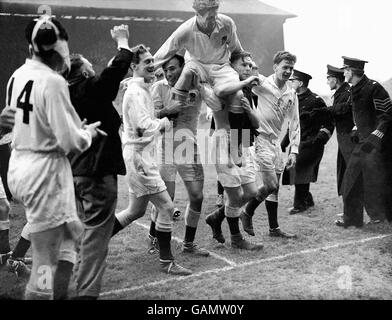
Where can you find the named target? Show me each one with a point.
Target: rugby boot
(247, 224)
(192, 248)
(279, 233)
(216, 226)
(171, 267)
(238, 242)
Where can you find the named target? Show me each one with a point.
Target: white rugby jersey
(215, 49)
(141, 126)
(45, 119)
(274, 106)
(187, 118)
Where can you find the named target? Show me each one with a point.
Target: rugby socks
(21, 248)
(117, 227)
(233, 225)
(221, 190)
(152, 229)
(4, 241)
(61, 280)
(251, 206)
(164, 241)
(272, 210)
(190, 234)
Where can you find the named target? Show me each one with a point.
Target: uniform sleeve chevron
(383, 105)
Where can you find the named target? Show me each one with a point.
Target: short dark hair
(137, 51)
(284, 55)
(180, 59)
(45, 36)
(236, 55)
(76, 64)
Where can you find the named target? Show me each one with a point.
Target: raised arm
(107, 83)
(170, 47)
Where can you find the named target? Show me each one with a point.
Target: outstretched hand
(119, 33)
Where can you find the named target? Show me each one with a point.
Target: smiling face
(283, 70)
(145, 67)
(172, 71)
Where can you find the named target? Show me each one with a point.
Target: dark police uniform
(315, 132)
(367, 180)
(342, 117)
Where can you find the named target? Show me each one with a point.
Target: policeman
(342, 118)
(315, 132)
(366, 182)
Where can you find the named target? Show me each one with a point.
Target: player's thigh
(270, 179)
(137, 205)
(249, 190)
(222, 75)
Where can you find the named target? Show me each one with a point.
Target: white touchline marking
(212, 254)
(246, 264)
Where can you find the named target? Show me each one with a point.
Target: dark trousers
(96, 199)
(302, 197)
(366, 185)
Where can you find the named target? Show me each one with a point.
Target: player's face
(172, 71)
(145, 67)
(244, 67)
(206, 18)
(283, 70)
(87, 69)
(331, 81)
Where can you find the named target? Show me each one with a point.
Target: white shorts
(142, 171)
(229, 174)
(269, 156)
(2, 192)
(43, 183)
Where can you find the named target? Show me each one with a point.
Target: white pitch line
(212, 254)
(246, 264)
